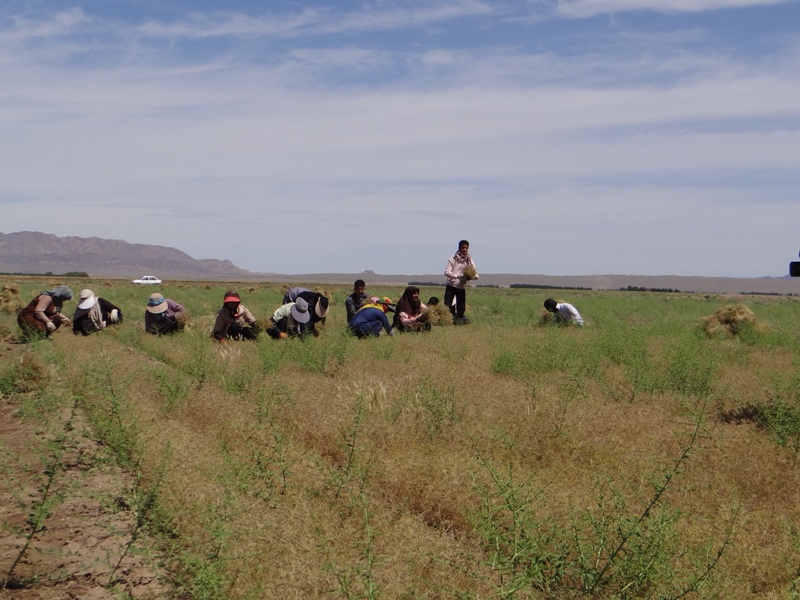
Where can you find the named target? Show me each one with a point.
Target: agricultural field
(651, 454)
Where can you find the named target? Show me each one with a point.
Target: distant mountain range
(39, 253)
(34, 252)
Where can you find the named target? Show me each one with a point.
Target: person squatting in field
(317, 308)
(564, 312)
(234, 321)
(289, 320)
(355, 300)
(410, 312)
(42, 316)
(459, 270)
(94, 313)
(371, 318)
(163, 315)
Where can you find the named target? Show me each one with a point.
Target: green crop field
(646, 455)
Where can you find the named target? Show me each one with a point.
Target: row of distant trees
(630, 288)
(82, 274)
(513, 285)
(548, 287)
(634, 288)
(538, 286)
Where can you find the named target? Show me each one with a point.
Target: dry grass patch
(27, 373)
(10, 301)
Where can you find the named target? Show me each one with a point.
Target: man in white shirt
(564, 312)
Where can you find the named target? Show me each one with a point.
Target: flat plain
(645, 455)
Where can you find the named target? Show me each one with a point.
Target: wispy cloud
(413, 124)
(59, 23)
(591, 8)
(317, 21)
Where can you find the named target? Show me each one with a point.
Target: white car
(147, 280)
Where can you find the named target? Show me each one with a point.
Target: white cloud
(591, 8)
(58, 24)
(637, 150)
(201, 25)
(310, 21)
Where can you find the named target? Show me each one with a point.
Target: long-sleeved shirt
(283, 321)
(455, 269)
(370, 320)
(93, 319)
(225, 319)
(410, 320)
(153, 323)
(567, 312)
(353, 303)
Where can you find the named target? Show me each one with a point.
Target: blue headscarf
(59, 294)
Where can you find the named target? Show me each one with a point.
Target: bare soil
(65, 525)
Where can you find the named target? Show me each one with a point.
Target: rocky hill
(34, 252)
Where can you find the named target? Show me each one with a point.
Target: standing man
(459, 270)
(355, 300)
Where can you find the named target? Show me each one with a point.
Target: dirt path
(65, 524)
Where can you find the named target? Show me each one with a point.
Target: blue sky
(562, 137)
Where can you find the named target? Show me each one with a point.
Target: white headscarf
(89, 305)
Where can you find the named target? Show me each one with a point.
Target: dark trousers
(237, 332)
(460, 295)
(365, 330)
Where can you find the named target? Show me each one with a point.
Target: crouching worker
(317, 307)
(163, 315)
(563, 312)
(289, 320)
(410, 313)
(43, 315)
(371, 319)
(356, 300)
(94, 313)
(234, 321)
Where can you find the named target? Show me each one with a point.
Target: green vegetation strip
(652, 453)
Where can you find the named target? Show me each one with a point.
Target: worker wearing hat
(317, 307)
(94, 313)
(289, 320)
(163, 315)
(234, 321)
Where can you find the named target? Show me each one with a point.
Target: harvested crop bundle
(10, 302)
(438, 315)
(730, 321)
(547, 319)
